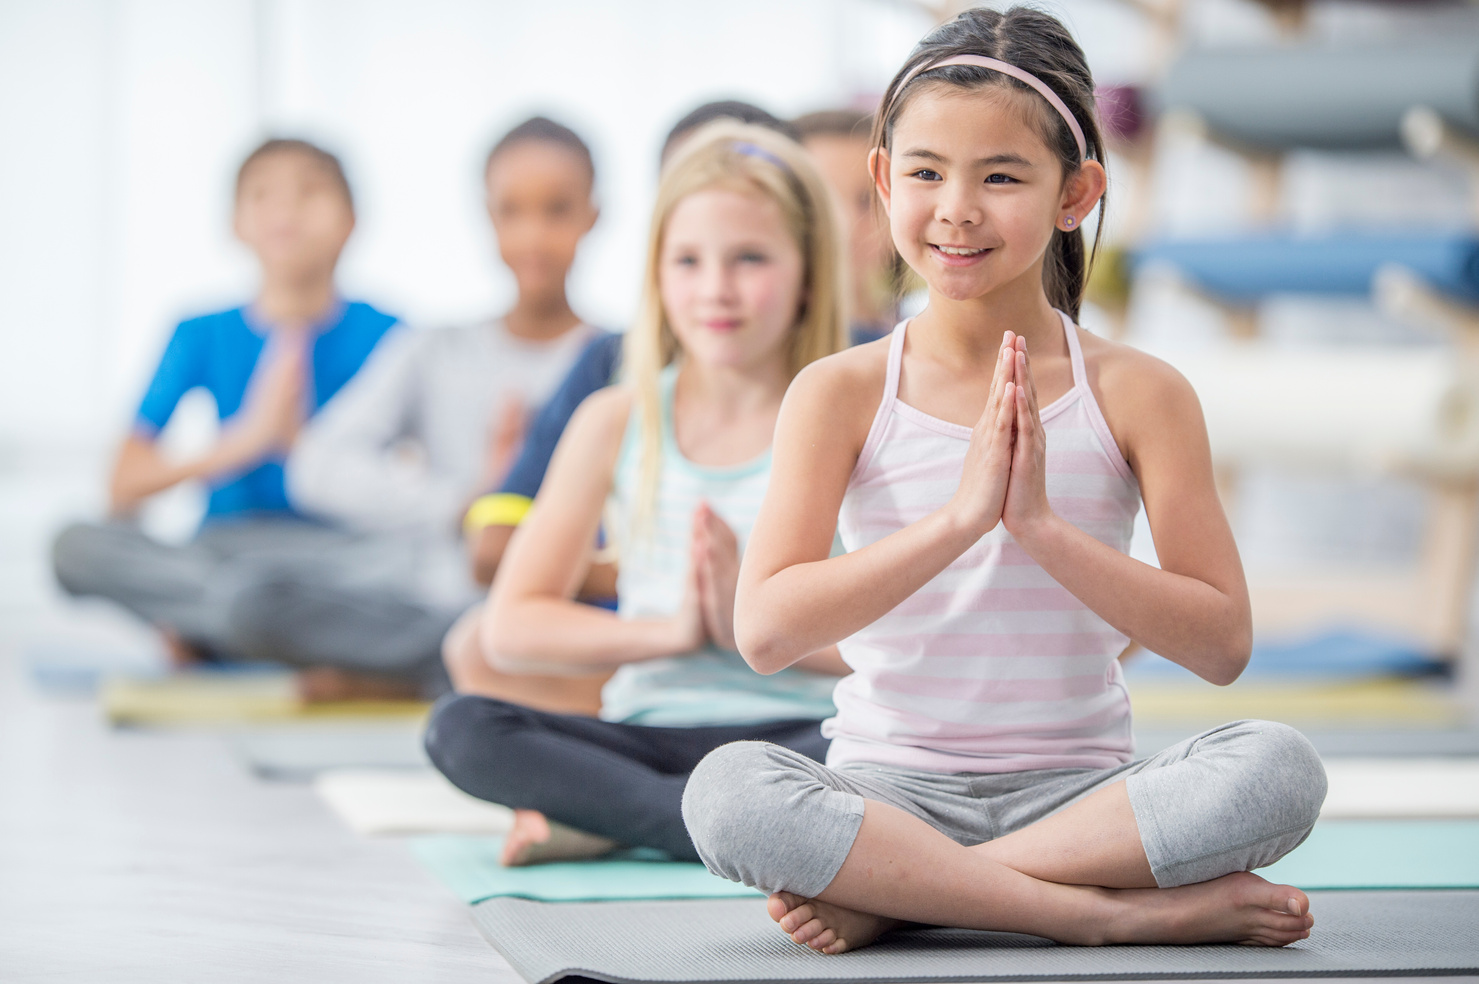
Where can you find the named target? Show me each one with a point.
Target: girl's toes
(796, 918)
(812, 929)
(835, 947)
(781, 903)
(823, 939)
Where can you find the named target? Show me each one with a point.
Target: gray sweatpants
(1231, 799)
(272, 590)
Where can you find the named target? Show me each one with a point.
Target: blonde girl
(981, 771)
(743, 289)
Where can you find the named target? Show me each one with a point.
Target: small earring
(1068, 221)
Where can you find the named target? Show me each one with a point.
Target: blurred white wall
(124, 121)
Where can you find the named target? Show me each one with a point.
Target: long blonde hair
(734, 155)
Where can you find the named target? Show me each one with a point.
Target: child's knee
(74, 557)
(723, 789)
(1286, 767)
(762, 815)
(463, 730)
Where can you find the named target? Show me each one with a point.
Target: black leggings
(621, 781)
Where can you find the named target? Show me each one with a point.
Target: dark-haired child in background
(435, 418)
(268, 365)
(838, 141)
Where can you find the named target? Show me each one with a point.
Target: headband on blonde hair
(760, 153)
(1022, 75)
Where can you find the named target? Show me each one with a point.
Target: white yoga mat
(1346, 407)
(400, 801)
(1372, 788)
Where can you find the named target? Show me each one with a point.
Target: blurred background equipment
(1299, 239)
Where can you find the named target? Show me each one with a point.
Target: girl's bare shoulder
(840, 392)
(1121, 374)
(846, 382)
(1143, 398)
(602, 416)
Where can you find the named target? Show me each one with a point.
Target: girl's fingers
(1025, 369)
(1003, 364)
(1007, 412)
(999, 376)
(1027, 424)
(1031, 383)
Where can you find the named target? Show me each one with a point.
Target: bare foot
(182, 655)
(327, 684)
(535, 839)
(1236, 908)
(824, 926)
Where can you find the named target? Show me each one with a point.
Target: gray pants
(1231, 799)
(272, 590)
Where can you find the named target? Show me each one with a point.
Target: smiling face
(973, 191)
(730, 276)
(539, 198)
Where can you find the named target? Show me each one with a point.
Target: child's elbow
(1232, 657)
(499, 638)
(764, 652)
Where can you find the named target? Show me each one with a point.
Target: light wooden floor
(157, 857)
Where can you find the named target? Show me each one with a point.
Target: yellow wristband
(497, 509)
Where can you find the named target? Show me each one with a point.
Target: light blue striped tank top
(711, 686)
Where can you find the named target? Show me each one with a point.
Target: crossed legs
(847, 857)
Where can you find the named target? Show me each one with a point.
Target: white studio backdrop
(124, 123)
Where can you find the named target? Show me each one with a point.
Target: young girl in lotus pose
(980, 769)
(743, 289)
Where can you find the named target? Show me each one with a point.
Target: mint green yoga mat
(469, 867)
(1383, 854)
(1339, 854)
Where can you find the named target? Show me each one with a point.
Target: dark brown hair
(1037, 43)
(833, 123)
(544, 130)
(724, 109)
(287, 145)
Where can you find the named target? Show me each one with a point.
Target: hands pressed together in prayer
(707, 613)
(1003, 478)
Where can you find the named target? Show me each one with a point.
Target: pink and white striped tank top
(992, 666)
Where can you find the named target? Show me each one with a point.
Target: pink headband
(1006, 69)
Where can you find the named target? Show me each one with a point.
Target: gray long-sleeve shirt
(404, 445)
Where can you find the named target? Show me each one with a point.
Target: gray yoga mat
(733, 940)
(1326, 96)
(292, 754)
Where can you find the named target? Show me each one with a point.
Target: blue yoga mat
(1334, 656)
(1247, 268)
(1324, 96)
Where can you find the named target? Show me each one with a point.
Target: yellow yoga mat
(231, 698)
(1304, 702)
